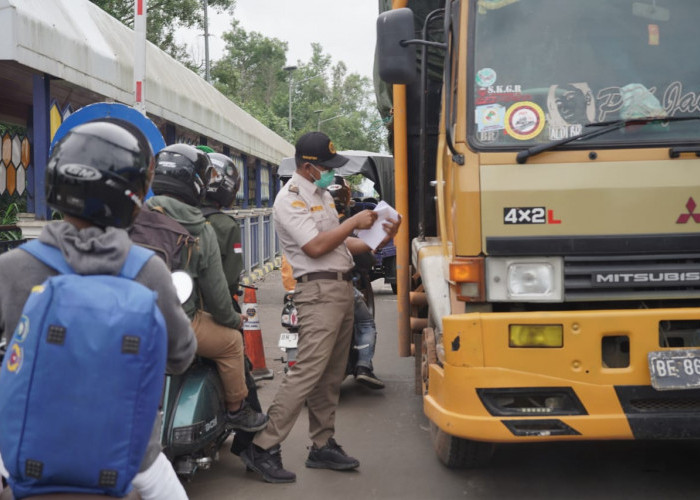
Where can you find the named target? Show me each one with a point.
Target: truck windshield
(541, 70)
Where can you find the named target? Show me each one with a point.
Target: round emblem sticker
(22, 329)
(15, 361)
(485, 77)
(524, 120)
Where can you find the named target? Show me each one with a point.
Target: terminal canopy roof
(91, 55)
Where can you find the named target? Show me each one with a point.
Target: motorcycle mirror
(183, 285)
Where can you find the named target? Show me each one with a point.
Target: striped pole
(140, 55)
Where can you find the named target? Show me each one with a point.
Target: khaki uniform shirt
(300, 212)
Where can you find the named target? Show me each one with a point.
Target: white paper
(376, 234)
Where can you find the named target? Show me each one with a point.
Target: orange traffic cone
(253, 336)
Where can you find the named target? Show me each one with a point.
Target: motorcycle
(194, 412)
(288, 339)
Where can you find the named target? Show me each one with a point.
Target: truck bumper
(592, 400)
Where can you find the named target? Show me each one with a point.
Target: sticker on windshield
(524, 120)
(571, 104)
(485, 77)
(490, 117)
(564, 132)
(653, 34)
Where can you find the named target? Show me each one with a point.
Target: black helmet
(225, 180)
(182, 171)
(99, 171)
(340, 191)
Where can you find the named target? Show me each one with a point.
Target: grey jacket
(96, 251)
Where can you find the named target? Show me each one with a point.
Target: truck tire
(458, 453)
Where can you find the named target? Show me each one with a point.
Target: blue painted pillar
(170, 135)
(271, 179)
(258, 183)
(246, 191)
(36, 181)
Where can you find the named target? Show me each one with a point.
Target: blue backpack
(82, 380)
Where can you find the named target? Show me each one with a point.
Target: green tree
(164, 17)
(323, 94)
(250, 74)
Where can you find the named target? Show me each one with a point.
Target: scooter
(288, 340)
(194, 412)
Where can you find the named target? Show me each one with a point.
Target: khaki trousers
(325, 309)
(224, 346)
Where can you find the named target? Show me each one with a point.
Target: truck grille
(630, 277)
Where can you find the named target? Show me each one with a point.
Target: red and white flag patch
(237, 248)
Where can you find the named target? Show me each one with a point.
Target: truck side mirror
(396, 60)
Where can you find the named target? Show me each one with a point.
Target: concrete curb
(258, 273)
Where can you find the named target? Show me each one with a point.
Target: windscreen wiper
(606, 127)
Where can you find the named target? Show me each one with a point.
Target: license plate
(676, 369)
(288, 340)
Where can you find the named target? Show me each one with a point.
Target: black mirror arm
(426, 43)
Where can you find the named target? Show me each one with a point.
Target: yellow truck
(549, 270)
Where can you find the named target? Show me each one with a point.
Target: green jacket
(204, 266)
(228, 235)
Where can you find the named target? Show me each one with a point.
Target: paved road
(387, 432)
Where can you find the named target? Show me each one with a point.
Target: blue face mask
(326, 178)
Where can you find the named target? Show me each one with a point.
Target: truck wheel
(458, 453)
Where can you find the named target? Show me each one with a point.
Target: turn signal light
(468, 276)
(536, 336)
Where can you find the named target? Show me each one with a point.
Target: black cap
(317, 148)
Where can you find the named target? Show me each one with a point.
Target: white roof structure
(76, 41)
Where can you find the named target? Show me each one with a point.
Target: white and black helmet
(182, 171)
(225, 180)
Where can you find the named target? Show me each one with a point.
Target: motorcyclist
(92, 239)
(221, 195)
(364, 331)
(181, 178)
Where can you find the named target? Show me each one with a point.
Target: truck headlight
(529, 279)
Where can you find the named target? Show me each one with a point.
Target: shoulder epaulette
(293, 188)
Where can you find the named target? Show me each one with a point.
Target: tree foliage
(163, 18)
(323, 94)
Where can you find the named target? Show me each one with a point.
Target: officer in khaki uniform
(319, 249)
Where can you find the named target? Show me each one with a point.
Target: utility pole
(207, 74)
(290, 69)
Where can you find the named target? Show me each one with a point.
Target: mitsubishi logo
(683, 218)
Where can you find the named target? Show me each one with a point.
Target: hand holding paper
(376, 234)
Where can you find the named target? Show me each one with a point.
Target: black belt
(326, 275)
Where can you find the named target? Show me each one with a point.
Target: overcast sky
(345, 29)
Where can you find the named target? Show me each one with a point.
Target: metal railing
(258, 238)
